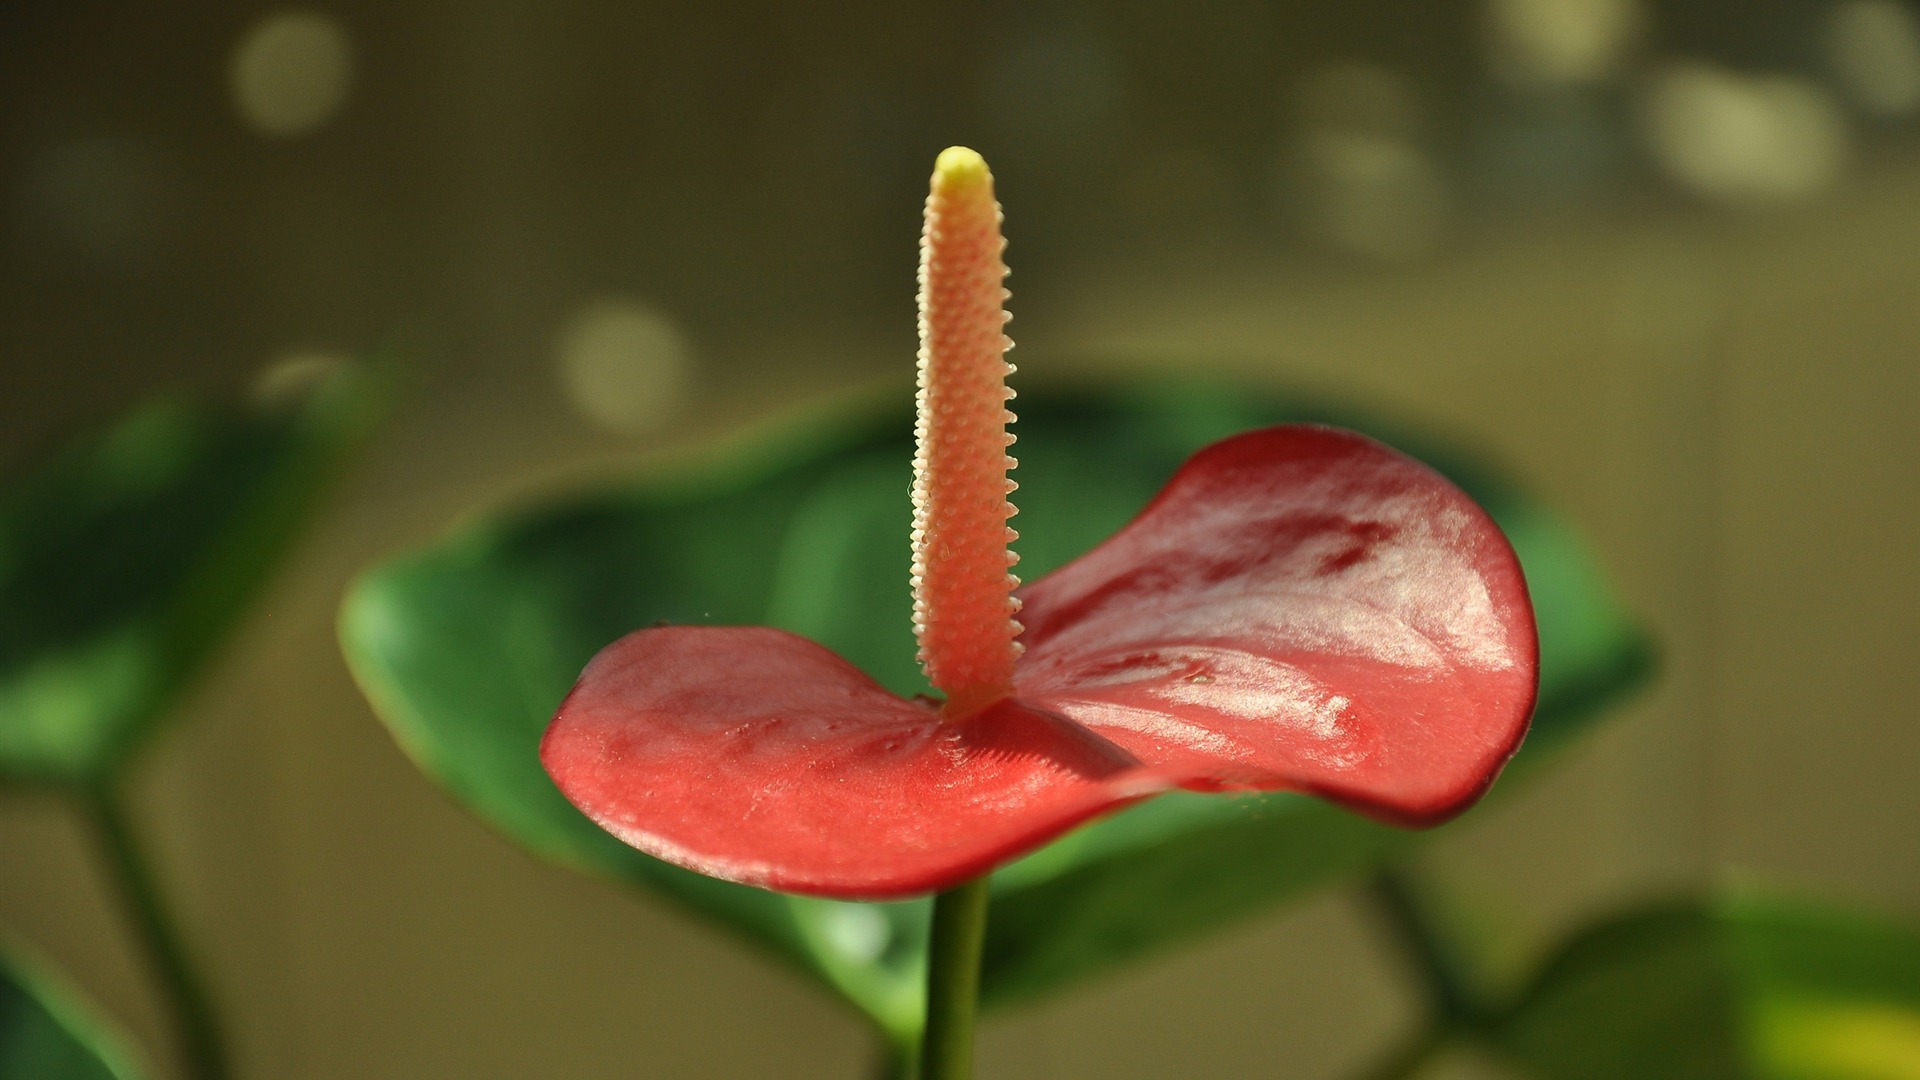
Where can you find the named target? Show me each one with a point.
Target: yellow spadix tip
(958, 166)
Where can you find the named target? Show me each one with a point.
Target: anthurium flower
(1300, 608)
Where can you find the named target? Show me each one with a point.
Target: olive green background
(1724, 398)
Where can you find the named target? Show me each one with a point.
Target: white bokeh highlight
(293, 374)
(1557, 42)
(624, 365)
(1363, 182)
(290, 73)
(1745, 139)
(1874, 46)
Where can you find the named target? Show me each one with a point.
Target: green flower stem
(195, 1026)
(953, 981)
(1452, 1002)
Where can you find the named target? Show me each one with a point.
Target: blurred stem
(195, 1026)
(953, 981)
(1451, 1000)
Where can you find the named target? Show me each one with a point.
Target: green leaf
(125, 557)
(1746, 987)
(1154, 875)
(46, 1033)
(465, 649)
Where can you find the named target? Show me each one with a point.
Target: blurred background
(1661, 261)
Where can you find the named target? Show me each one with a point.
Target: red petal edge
(1300, 608)
(757, 756)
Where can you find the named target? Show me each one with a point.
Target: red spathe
(1301, 608)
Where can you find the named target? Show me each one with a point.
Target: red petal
(1300, 608)
(757, 756)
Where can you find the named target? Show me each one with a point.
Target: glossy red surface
(1301, 608)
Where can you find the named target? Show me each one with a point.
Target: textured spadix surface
(963, 603)
(1301, 608)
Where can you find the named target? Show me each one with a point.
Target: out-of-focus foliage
(126, 556)
(1742, 988)
(466, 648)
(46, 1033)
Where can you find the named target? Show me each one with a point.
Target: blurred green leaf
(46, 1033)
(467, 647)
(1741, 988)
(125, 557)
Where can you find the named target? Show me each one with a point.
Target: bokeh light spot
(290, 73)
(1362, 182)
(1551, 42)
(1875, 47)
(288, 377)
(857, 931)
(624, 365)
(1379, 197)
(1742, 139)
